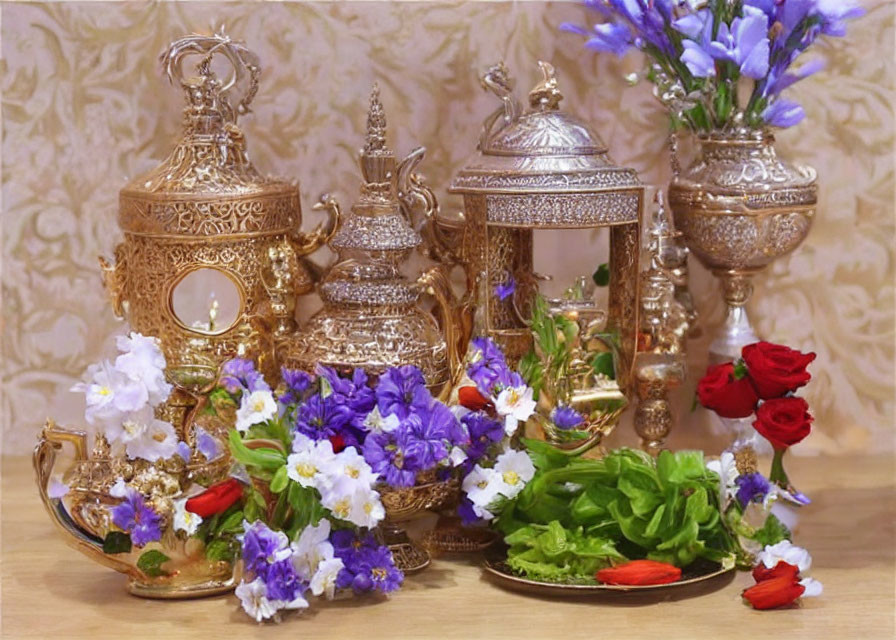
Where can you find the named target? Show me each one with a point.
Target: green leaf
(552, 542)
(772, 532)
(116, 542)
(218, 550)
(150, 563)
(679, 467)
(740, 370)
(279, 481)
(601, 277)
(231, 524)
(543, 455)
(602, 363)
(264, 458)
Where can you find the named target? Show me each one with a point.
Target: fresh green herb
(150, 562)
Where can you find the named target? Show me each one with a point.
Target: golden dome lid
(208, 185)
(542, 150)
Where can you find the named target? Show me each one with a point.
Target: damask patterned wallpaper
(85, 108)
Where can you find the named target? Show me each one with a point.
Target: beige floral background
(85, 108)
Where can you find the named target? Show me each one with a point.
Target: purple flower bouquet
(700, 50)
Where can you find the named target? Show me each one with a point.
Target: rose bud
(780, 570)
(728, 396)
(777, 592)
(776, 370)
(783, 421)
(338, 443)
(472, 399)
(216, 499)
(640, 573)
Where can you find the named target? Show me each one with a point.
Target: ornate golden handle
(306, 243)
(113, 280)
(435, 283)
(52, 438)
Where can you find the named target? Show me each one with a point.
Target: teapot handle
(435, 282)
(307, 243)
(51, 440)
(114, 280)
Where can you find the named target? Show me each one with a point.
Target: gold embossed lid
(542, 150)
(207, 185)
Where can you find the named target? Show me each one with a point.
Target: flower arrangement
(762, 384)
(703, 53)
(315, 454)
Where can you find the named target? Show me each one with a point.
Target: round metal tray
(701, 576)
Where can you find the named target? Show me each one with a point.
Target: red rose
(640, 572)
(216, 499)
(776, 592)
(729, 397)
(775, 369)
(783, 421)
(338, 443)
(780, 570)
(472, 399)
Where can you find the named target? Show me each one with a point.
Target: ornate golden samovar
(372, 317)
(538, 169)
(211, 258)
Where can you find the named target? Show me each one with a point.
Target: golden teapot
(372, 317)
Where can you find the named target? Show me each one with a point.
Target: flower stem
(778, 475)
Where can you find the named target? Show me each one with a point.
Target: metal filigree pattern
(557, 211)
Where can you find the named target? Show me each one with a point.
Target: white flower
(788, 552)
(255, 408)
(813, 588)
(324, 580)
(184, 520)
(515, 469)
(726, 468)
(457, 456)
(311, 549)
(253, 596)
(110, 394)
(119, 489)
(147, 438)
(516, 405)
(482, 486)
(306, 466)
(376, 423)
(347, 471)
(138, 367)
(146, 348)
(366, 508)
(301, 442)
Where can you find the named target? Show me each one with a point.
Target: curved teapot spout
(51, 441)
(435, 282)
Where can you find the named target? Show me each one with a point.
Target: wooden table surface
(51, 591)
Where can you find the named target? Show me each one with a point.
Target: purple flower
(745, 43)
(401, 390)
(612, 37)
(752, 487)
(376, 572)
(466, 512)
(388, 455)
(506, 289)
(206, 444)
(483, 432)
(486, 364)
(427, 435)
(138, 519)
(565, 417)
(260, 546)
(783, 113)
(834, 13)
(239, 375)
(367, 565)
(320, 417)
(297, 382)
(282, 581)
(183, 450)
